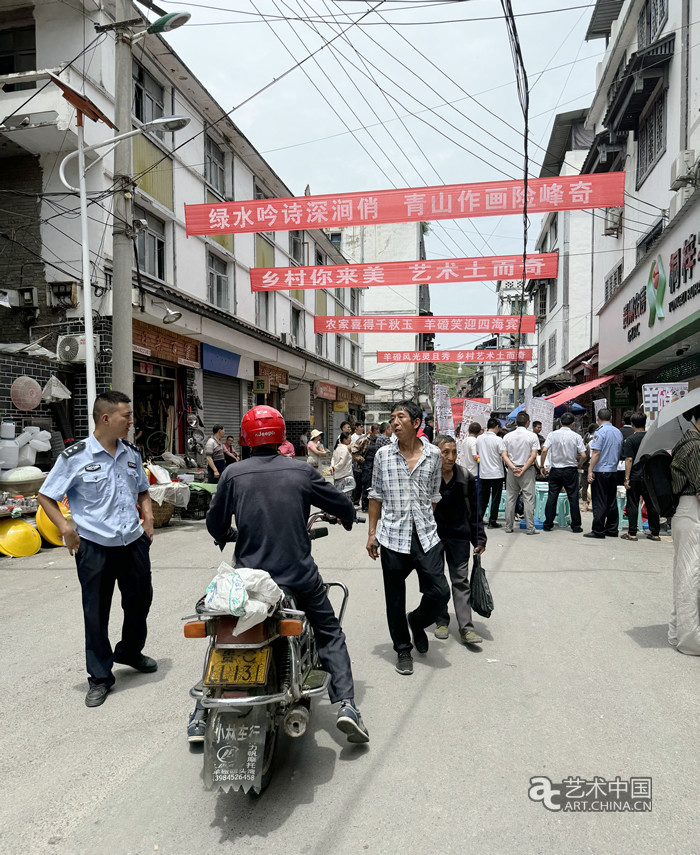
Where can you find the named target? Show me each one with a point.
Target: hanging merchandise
(54, 391)
(25, 393)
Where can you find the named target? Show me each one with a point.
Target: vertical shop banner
(434, 356)
(488, 269)
(657, 395)
(599, 404)
(426, 323)
(409, 205)
(443, 410)
(542, 410)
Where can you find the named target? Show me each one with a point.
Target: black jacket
(457, 513)
(270, 497)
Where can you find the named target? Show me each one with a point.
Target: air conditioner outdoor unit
(72, 348)
(370, 417)
(679, 199)
(682, 169)
(288, 338)
(613, 222)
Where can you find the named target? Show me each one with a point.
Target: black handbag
(481, 599)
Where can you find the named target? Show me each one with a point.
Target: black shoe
(493, 525)
(97, 695)
(349, 722)
(611, 534)
(593, 534)
(141, 663)
(549, 527)
(420, 639)
(577, 529)
(404, 662)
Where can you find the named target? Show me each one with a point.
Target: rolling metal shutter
(222, 404)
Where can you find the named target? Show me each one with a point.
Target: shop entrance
(155, 425)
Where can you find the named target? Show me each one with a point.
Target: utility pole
(122, 247)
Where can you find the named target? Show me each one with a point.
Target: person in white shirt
(470, 451)
(341, 465)
(489, 447)
(566, 452)
(521, 448)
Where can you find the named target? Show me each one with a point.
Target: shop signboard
(261, 385)
(434, 356)
(623, 395)
(407, 205)
(656, 396)
(277, 376)
(220, 361)
(658, 305)
(340, 406)
(426, 324)
(427, 271)
(324, 390)
(164, 345)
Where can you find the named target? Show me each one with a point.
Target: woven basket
(162, 513)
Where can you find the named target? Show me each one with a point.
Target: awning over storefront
(576, 391)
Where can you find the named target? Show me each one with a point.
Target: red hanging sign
(489, 355)
(412, 204)
(425, 323)
(537, 266)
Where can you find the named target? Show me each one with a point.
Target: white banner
(656, 395)
(444, 423)
(542, 410)
(600, 404)
(473, 411)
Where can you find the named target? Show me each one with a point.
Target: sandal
(653, 537)
(628, 536)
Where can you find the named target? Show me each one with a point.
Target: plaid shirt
(407, 497)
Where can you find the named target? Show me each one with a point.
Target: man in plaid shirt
(405, 489)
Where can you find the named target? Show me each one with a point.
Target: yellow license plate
(237, 667)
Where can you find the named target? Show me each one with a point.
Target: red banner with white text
(412, 204)
(490, 269)
(490, 355)
(426, 323)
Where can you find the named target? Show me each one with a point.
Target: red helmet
(262, 426)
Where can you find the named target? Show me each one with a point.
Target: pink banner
(413, 204)
(425, 323)
(537, 266)
(490, 355)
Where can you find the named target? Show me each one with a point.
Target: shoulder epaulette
(73, 449)
(132, 446)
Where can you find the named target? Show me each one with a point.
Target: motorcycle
(256, 682)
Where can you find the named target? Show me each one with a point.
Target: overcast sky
(369, 112)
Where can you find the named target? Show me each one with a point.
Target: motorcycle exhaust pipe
(296, 720)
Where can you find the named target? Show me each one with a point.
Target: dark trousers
(566, 477)
(396, 567)
(220, 466)
(634, 493)
(366, 484)
(99, 567)
(330, 638)
(492, 487)
(357, 492)
(457, 555)
(604, 502)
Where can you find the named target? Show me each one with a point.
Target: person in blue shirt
(602, 476)
(103, 480)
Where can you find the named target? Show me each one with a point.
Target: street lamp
(85, 107)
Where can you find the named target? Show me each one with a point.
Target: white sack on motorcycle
(247, 593)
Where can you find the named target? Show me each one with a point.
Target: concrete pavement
(574, 678)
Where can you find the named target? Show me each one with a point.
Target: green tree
(446, 374)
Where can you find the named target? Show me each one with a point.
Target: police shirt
(102, 490)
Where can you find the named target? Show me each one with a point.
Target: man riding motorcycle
(270, 497)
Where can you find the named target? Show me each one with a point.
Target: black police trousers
(99, 567)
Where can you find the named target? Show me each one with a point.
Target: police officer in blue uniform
(103, 479)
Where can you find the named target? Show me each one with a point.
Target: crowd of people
(423, 509)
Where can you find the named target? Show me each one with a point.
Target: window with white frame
(298, 326)
(150, 243)
(149, 96)
(320, 349)
(542, 301)
(263, 310)
(17, 54)
(651, 137)
(338, 350)
(552, 346)
(552, 294)
(354, 301)
(651, 21)
(218, 282)
(543, 357)
(613, 280)
(320, 257)
(214, 171)
(296, 246)
(354, 357)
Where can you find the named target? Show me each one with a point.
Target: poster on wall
(473, 411)
(599, 404)
(542, 410)
(656, 395)
(444, 422)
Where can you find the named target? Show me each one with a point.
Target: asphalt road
(575, 678)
